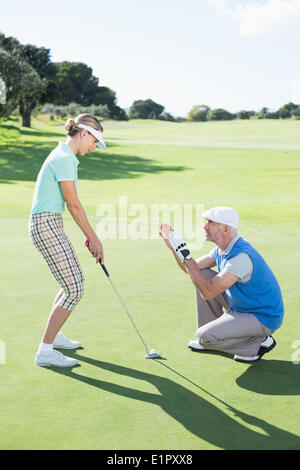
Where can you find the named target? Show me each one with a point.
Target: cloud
(275, 17)
(222, 7)
(270, 18)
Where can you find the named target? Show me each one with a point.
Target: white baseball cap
(223, 215)
(96, 134)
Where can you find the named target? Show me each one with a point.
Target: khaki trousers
(230, 331)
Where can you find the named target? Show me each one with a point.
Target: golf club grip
(104, 268)
(87, 243)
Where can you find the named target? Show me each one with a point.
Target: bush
(220, 115)
(145, 109)
(243, 114)
(167, 117)
(287, 110)
(73, 109)
(198, 113)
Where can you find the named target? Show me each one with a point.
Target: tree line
(28, 78)
(204, 113)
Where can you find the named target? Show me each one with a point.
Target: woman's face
(87, 142)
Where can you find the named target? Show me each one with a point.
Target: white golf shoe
(266, 346)
(55, 359)
(61, 342)
(195, 346)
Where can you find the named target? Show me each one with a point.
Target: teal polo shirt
(60, 165)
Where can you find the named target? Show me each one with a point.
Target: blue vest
(261, 295)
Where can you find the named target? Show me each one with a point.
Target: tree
(2, 93)
(10, 74)
(75, 83)
(33, 88)
(40, 59)
(24, 86)
(167, 117)
(263, 113)
(243, 114)
(30, 78)
(220, 114)
(107, 97)
(272, 115)
(145, 109)
(286, 111)
(296, 112)
(198, 113)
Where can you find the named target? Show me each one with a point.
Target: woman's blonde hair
(87, 119)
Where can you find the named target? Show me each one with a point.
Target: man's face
(213, 231)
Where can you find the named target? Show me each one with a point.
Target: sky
(232, 54)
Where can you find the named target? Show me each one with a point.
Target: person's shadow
(272, 377)
(199, 416)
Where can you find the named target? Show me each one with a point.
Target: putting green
(115, 399)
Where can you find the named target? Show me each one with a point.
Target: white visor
(96, 134)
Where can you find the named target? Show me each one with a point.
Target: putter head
(153, 354)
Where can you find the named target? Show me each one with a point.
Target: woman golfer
(56, 185)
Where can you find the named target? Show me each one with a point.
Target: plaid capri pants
(47, 234)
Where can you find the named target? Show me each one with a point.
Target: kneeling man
(244, 286)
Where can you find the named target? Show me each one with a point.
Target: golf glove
(179, 246)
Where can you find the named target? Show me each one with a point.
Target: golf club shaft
(120, 298)
(126, 310)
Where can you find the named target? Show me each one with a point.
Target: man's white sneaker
(195, 346)
(266, 346)
(60, 341)
(55, 359)
(269, 341)
(246, 359)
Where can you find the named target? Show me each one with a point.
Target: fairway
(115, 399)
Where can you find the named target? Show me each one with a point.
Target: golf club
(149, 355)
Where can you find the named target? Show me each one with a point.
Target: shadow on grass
(196, 414)
(10, 132)
(272, 378)
(7, 129)
(40, 133)
(23, 163)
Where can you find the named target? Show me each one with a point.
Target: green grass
(116, 399)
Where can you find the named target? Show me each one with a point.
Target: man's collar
(230, 245)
